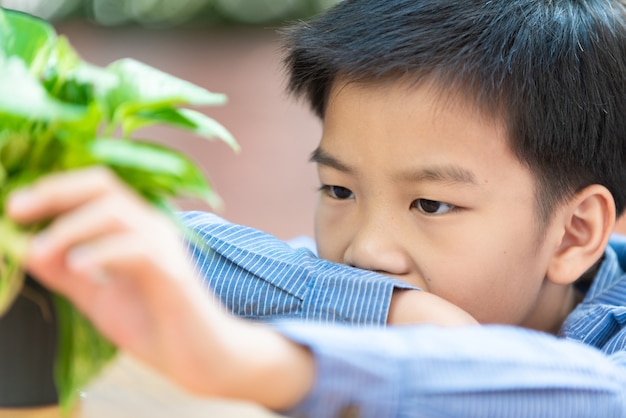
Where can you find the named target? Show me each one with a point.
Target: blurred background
(226, 46)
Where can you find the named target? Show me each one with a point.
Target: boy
(472, 149)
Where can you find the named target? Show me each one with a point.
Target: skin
(122, 264)
(428, 191)
(620, 227)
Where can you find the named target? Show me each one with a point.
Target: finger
(108, 214)
(60, 192)
(100, 298)
(131, 255)
(78, 287)
(148, 300)
(70, 250)
(151, 282)
(106, 271)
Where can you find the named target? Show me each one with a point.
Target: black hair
(554, 71)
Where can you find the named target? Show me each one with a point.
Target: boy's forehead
(415, 128)
(396, 91)
(393, 112)
(445, 140)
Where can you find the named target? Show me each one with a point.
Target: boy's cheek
(328, 248)
(330, 232)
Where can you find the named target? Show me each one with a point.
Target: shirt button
(350, 411)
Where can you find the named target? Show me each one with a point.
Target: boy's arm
(476, 371)
(120, 263)
(258, 276)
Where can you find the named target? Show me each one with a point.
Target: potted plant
(28, 338)
(58, 112)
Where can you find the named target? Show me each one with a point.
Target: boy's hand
(122, 264)
(418, 307)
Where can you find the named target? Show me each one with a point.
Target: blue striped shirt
(366, 370)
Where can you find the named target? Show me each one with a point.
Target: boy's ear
(587, 222)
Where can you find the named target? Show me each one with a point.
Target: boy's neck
(554, 306)
(557, 302)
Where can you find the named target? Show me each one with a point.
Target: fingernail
(22, 199)
(40, 244)
(99, 276)
(78, 259)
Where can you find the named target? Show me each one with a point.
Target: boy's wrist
(253, 362)
(284, 370)
(418, 307)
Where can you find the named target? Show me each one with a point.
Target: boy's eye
(338, 192)
(432, 207)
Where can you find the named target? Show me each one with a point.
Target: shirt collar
(609, 285)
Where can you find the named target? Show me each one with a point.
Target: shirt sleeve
(475, 371)
(260, 277)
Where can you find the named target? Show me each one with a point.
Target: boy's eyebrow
(320, 156)
(441, 173)
(438, 173)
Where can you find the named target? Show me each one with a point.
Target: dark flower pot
(28, 334)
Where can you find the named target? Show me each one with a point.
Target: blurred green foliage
(170, 13)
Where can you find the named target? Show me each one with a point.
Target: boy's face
(427, 190)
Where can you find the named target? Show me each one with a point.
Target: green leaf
(11, 282)
(209, 128)
(21, 94)
(148, 117)
(72, 80)
(12, 250)
(82, 353)
(153, 170)
(26, 37)
(142, 86)
(13, 148)
(56, 112)
(188, 119)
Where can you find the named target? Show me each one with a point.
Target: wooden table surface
(127, 389)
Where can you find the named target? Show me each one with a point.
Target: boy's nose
(378, 248)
